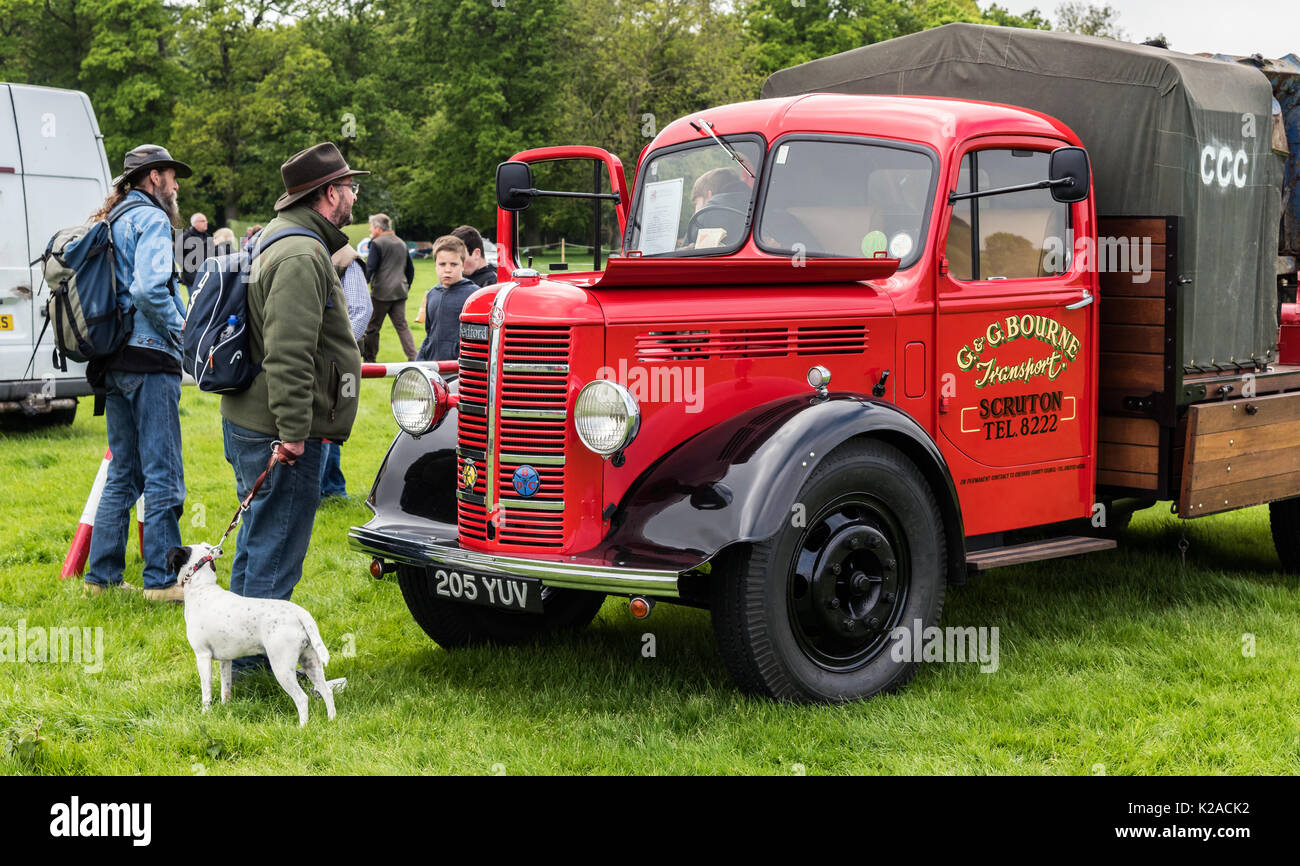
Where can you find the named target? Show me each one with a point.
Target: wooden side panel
(1128, 452)
(1240, 453)
(1133, 311)
(1134, 346)
(1132, 308)
(1132, 371)
(1134, 227)
(1144, 339)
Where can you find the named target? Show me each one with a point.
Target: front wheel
(811, 614)
(453, 624)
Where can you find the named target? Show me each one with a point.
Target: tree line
(429, 95)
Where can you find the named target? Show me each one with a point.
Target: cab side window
(1018, 235)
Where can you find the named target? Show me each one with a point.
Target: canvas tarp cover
(1168, 134)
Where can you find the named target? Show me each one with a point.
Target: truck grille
(533, 389)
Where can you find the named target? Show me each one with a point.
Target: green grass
(1123, 662)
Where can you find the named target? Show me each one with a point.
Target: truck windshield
(838, 197)
(695, 199)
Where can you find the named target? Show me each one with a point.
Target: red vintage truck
(854, 349)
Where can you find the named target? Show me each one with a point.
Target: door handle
(1082, 302)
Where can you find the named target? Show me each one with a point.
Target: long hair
(114, 199)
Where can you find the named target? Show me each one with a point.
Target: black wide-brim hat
(309, 169)
(149, 156)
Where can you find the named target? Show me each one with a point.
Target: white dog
(225, 626)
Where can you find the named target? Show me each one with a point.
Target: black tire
(1284, 523)
(869, 512)
(453, 625)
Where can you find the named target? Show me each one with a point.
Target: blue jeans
(276, 529)
(332, 482)
(144, 434)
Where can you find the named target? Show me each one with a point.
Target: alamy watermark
(54, 645)
(659, 383)
(919, 643)
(1105, 255)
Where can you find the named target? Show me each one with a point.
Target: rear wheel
(454, 624)
(1284, 522)
(810, 614)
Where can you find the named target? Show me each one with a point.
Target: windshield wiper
(703, 126)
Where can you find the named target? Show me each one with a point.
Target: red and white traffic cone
(139, 522)
(75, 563)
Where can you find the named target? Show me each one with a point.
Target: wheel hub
(847, 585)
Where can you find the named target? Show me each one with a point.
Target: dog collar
(202, 562)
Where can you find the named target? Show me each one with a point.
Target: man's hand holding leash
(289, 452)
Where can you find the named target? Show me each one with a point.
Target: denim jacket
(144, 262)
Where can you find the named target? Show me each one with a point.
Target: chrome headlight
(420, 400)
(606, 417)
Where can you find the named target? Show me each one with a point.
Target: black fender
(416, 484)
(739, 480)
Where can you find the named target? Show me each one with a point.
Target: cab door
(1017, 342)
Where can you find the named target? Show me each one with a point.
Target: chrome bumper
(569, 574)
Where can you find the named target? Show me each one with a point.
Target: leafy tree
(785, 34)
(254, 95)
(114, 50)
(1089, 20)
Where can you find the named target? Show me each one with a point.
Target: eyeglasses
(355, 187)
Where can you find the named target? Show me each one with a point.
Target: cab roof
(925, 120)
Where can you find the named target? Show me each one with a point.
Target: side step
(1035, 551)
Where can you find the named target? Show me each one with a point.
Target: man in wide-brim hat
(141, 383)
(306, 390)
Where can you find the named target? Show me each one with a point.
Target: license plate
(490, 590)
(6, 322)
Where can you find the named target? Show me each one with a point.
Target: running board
(1035, 551)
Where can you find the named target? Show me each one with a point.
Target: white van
(53, 174)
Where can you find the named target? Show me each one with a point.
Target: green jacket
(300, 335)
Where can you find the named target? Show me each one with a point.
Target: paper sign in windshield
(661, 216)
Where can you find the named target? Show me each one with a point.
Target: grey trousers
(395, 310)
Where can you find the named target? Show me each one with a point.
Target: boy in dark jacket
(443, 304)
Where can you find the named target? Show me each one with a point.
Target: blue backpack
(89, 323)
(215, 339)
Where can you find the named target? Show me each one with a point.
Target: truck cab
(849, 351)
(806, 380)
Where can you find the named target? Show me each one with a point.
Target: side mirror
(1069, 173)
(514, 186)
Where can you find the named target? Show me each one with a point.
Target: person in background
(347, 261)
(390, 270)
(476, 265)
(223, 240)
(143, 382)
(251, 235)
(196, 245)
(443, 303)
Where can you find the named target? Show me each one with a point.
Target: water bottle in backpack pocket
(215, 340)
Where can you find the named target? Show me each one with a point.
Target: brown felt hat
(309, 169)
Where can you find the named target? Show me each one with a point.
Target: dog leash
(248, 500)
